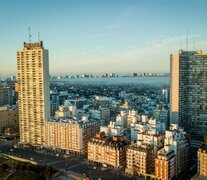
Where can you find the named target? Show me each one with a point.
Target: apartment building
(71, 134)
(140, 159)
(33, 92)
(176, 138)
(202, 160)
(188, 91)
(112, 130)
(107, 150)
(165, 164)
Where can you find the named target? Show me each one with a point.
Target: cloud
(154, 56)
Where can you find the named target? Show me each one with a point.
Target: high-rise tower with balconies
(33, 92)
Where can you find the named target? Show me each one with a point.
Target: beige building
(107, 150)
(174, 86)
(140, 159)
(165, 164)
(71, 135)
(33, 92)
(202, 160)
(9, 116)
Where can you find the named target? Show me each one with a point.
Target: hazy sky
(97, 36)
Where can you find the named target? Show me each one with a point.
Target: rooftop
(71, 120)
(166, 152)
(143, 147)
(203, 148)
(116, 142)
(34, 45)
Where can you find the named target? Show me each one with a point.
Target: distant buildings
(188, 91)
(165, 95)
(102, 113)
(65, 112)
(6, 96)
(33, 92)
(54, 102)
(9, 116)
(162, 115)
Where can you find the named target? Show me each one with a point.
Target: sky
(102, 36)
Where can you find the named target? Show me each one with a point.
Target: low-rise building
(165, 164)
(132, 117)
(9, 116)
(71, 135)
(176, 138)
(121, 119)
(140, 159)
(54, 102)
(65, 111)
(202, 160)
(105, 113)
(112, 130)
(107, 150)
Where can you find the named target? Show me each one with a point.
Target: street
(77, 164)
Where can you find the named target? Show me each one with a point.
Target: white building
(121, 119)
(147, 126)
(176, 138)
(112, 130)
(65, 111)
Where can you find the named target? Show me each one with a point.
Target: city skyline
(103, 89)
(98, 37)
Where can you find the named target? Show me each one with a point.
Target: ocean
(154, 81)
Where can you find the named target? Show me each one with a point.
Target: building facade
(33, 92)
(165, 164)
(107, 150)
(71, 135)
(140, 159)
(202, 160)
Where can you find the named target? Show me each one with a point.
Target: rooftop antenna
(38, 36)
(29, 33)
(187, 40)
(181, 44)
(194, 40)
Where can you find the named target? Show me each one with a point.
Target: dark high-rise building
(189, 91)
(6, 96)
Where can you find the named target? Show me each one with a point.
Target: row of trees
(27, 168)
